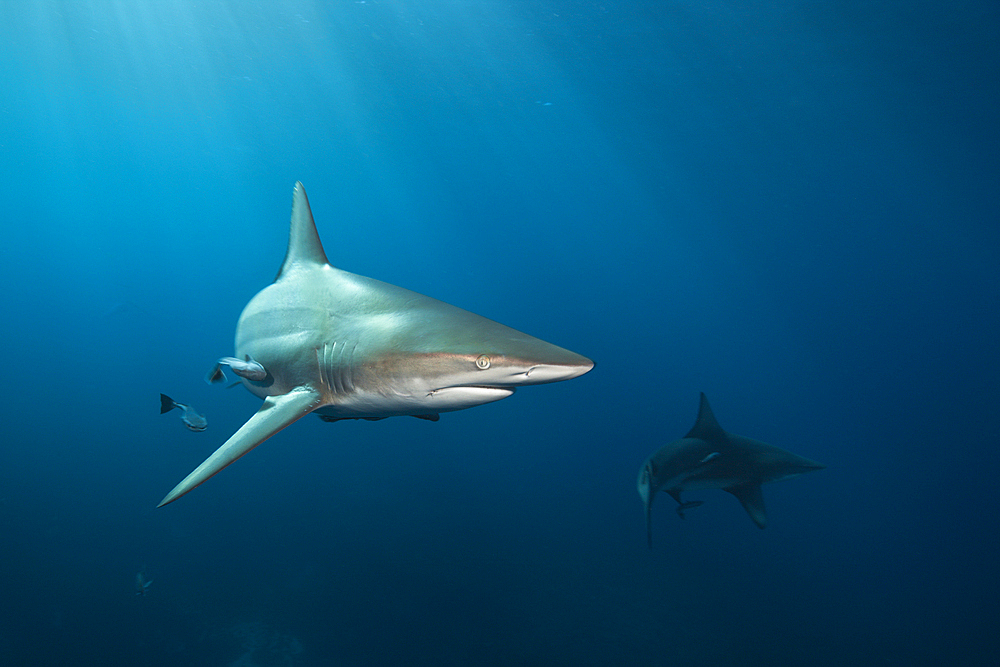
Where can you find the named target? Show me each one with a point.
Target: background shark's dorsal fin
(304, 246)
(706, 427)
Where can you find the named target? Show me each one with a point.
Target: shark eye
(482, 362)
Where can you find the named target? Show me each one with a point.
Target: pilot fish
(191, 419)
(141, 583)
(246, 368)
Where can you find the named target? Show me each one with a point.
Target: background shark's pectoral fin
(752, 499)
(276, 413)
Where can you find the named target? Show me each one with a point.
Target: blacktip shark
(349, 347)
(710, 458)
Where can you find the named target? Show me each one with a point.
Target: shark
(349, 347)
(709, 457)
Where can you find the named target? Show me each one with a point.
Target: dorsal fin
(706, 427)
(304, 246)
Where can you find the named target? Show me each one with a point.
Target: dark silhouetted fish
(191, 419)
(141, 583)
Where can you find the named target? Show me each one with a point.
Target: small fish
(689, 505)
(191, 419)
(713, 455)
(141, 584)
(245, 368)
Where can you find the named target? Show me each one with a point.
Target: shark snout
(543, 362)
(542, 373)
(813, 465)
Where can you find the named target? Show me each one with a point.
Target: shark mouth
(471, 393)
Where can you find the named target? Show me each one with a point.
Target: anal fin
(276, 413)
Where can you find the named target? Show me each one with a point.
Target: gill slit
(324, 361)
(336, 367)
(348, 368)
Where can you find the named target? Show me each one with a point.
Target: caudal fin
(166, 403)
(215, 376)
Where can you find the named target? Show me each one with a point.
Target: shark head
(349, 347)
(678, 465)
(436, 372)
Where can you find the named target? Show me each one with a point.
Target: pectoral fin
(276, 413)
(752, 500)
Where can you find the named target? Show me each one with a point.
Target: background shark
(710, 458)
(350, 347)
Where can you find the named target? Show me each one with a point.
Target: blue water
(792, 207)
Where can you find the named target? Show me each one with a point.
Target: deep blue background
(790, 206)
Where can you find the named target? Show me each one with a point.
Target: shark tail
(166, 403)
